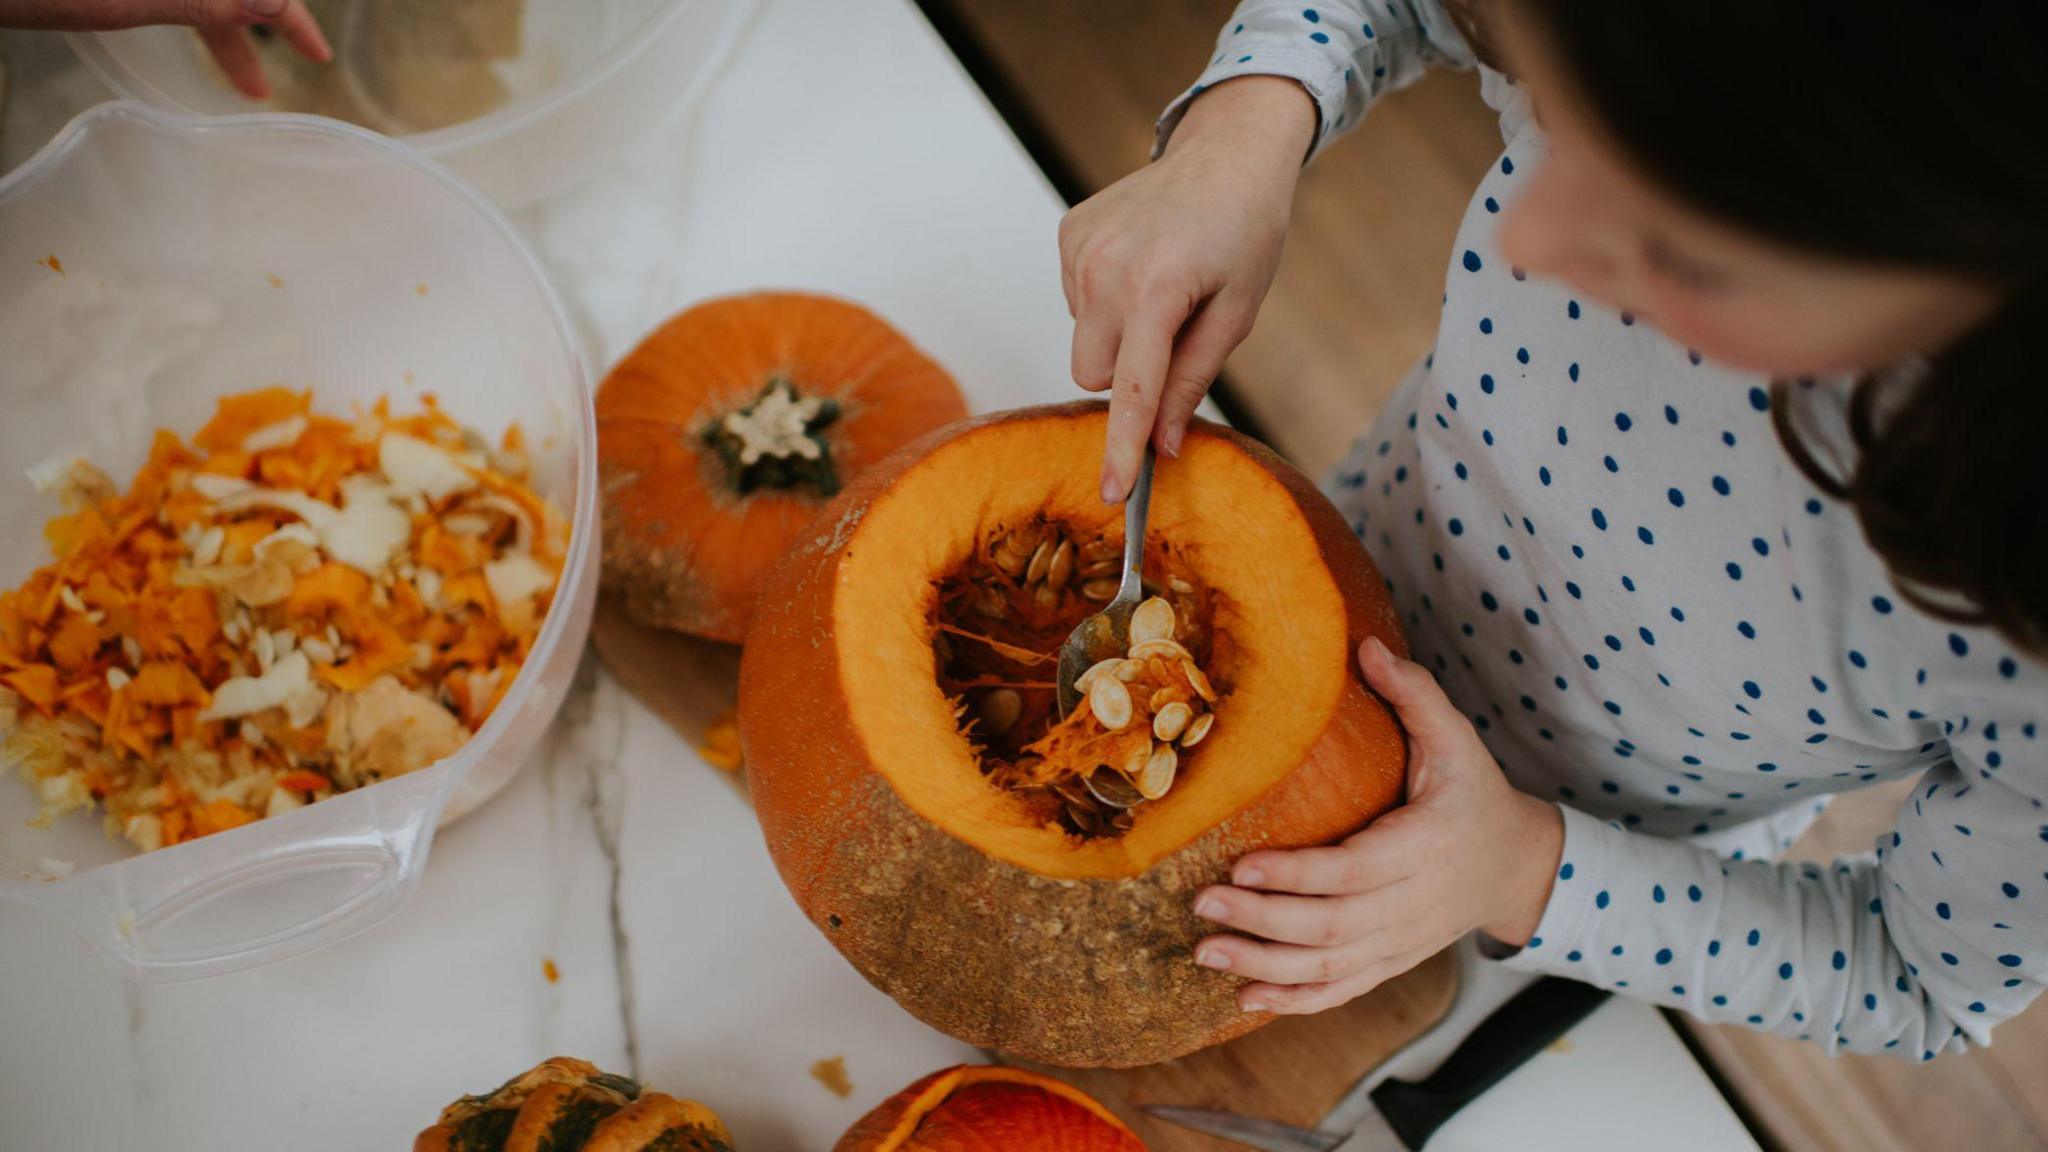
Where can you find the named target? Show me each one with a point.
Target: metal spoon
(1108, 632)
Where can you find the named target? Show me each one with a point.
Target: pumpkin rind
(989, 1109)
(1080, 969)
(567, 1105)
(683, 546)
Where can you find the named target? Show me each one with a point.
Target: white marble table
(841, 149)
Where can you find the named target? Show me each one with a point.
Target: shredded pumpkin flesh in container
(290, 606)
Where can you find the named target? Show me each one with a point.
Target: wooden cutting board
(1292, 1070)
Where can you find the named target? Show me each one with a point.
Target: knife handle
(1504, 1041)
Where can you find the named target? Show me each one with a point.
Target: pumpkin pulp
(998, 624)
(1271, 622)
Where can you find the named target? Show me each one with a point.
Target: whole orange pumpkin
(989, 1109)
(726, 429)
(1021, 881)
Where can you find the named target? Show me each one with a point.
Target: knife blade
(1399, 1115)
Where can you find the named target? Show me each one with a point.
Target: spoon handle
(1136, 507)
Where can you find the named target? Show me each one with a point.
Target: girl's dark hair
(1882, 132)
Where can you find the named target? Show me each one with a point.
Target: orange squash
(936, 821)
(989, 1109)
(727, 428)
(568, 1105)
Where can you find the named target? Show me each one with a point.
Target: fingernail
(1250, 877)
(1110, 490)
(1173, 438)
(1213, 958)
(1209, 908)
(1252, 1006)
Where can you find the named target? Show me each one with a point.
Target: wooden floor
(1355, 305)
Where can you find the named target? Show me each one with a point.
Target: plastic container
(602, 74)
(391, 277)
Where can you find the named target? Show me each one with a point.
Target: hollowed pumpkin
(975, 1108)
(726, 429)
(897, 816)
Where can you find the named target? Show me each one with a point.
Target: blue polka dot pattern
(1629, 552)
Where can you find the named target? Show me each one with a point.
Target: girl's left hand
(1323, 925)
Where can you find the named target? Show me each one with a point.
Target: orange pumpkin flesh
(989, 1109)
(691, 525)
(949, 892)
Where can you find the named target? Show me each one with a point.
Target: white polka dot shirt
(1597, 542)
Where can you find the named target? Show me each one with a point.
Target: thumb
(1433, 724)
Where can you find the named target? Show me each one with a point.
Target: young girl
(1672, 605)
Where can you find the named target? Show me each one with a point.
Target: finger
(1197, 359)
(1097, 328)
(1428, 715)
(1307, 999)
(1366, 862)
(301, 31)
(236, 56)
(1142, 355)
(1289, 964)
(1316, 921)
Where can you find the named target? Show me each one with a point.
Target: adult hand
(222, 24)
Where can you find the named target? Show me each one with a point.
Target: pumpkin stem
(777, 442)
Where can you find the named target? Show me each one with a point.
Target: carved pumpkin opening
(1135, 733)
(1272, 621)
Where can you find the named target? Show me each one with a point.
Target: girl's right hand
(1165, 269)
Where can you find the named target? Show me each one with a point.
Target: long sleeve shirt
(1597, 542)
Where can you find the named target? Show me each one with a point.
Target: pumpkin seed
(1041, 561)
(1147, 649)
(1152, 620)
(990, 602)
(1198, 729)
(1111, 702)
(1157, 775)
(1129, 670)
(1110, 566)
(1113, 788)
(1169, 722)
(1179, 585)
(1061, 567)
(1199, 682)
(1165, 696)
(1101, 591)
(1016, 550)
(1099, 668)
(1047, 596)
(1000, 709)
(1123, 821)
(1102, 548)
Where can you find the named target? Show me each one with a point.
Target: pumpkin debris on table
(1025, 883)
(290, 606)
(568, 1105)
(730, 425)
(982, 1108)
